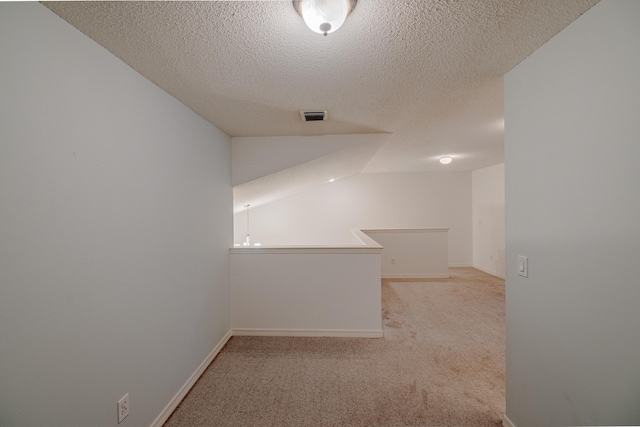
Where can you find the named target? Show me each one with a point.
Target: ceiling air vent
(313, 116)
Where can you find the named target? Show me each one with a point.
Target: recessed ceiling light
(445, 160)
(332, 179)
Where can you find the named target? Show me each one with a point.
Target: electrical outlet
(123, 408)
(393, 261)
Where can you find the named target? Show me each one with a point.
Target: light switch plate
(523, 268)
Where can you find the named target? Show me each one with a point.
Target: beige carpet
(441, 363)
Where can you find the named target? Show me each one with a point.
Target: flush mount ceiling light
(324, 16)
(445, 160)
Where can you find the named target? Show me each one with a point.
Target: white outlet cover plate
(123, 408)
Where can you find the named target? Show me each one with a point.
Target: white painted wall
(414, 253)
(326, 214)
(115, 223)
(488, 219)
(573, 207)
(307, 291)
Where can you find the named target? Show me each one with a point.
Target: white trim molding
(405, 230)
(506, 422)
(173, 404)
(345, 333)
(414, 276)
(303, 250)
(493, 273)
(363, 244)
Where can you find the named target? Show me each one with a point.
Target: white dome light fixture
(445, 160)
(324, 16)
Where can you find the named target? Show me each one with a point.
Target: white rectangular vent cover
(313, 116)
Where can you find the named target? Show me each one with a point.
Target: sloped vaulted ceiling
(425, 73)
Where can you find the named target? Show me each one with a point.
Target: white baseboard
(415, 276)
(506, 422)
(493, 273)
(460, 265)
(370, 333)
(173, 404)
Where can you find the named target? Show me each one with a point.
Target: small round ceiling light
(445, 160)
(324, 16)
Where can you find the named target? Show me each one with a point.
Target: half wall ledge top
(361, 244)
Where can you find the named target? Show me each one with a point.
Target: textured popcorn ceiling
(426, 72)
